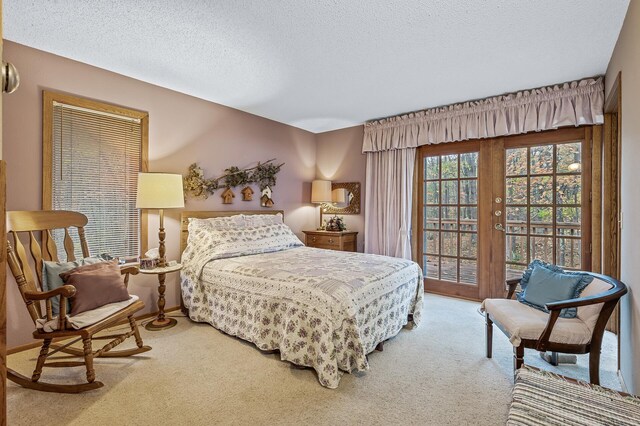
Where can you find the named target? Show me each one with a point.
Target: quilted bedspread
(319, 308)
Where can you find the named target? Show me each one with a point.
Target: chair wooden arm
(128, 270)
(512, 284)
(133, 270)
(543, 341)
(609, 297)
(65, 291)
(613, 294)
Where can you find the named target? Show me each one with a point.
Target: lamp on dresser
(321, 194)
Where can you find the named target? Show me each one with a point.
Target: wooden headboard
(184, 220)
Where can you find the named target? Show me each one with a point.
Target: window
(92, 153)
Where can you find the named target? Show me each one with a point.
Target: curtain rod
(373, 120)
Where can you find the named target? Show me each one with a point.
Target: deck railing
(568, 248)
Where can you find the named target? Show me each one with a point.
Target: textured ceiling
(324, 65)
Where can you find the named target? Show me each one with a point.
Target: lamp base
(157, 325)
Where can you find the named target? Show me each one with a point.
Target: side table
(161, 322)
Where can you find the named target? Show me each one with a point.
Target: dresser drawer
(323, 241)
(344, 241)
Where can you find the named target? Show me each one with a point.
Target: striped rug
(544, 398)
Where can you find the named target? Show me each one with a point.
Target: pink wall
(626, 59)
(183, 130)
(340, 159)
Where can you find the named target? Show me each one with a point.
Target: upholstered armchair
(527, 327)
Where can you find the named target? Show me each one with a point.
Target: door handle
(499, 227)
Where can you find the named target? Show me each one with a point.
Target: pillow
(548, 283)
(257, 220)
(51, 275)
(238, 221)
(223, 222)
(96, 285)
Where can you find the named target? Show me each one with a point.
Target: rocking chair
(64, 326)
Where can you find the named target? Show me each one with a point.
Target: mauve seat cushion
(96, 285)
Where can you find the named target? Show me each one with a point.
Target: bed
(248, 275)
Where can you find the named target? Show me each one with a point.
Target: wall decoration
(263, 174)
(265, 199)
(353, 188)
(228, 196)
(247, 193)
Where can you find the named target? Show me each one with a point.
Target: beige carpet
(436, 374)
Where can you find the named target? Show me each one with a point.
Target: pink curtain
(387, 215)
(569, 104)
(390, 145)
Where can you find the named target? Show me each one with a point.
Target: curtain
(390, 145)
(570, 104)
(388, 204)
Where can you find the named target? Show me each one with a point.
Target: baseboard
(38, 343)
(471, 299)
(625, 389)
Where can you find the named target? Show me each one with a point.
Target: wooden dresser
(332, 240)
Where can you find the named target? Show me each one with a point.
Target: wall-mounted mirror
(347, 195)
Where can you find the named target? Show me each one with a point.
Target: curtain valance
(575, 103)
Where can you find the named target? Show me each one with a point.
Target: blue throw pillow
(543, 283)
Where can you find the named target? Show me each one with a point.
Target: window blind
(96, 158)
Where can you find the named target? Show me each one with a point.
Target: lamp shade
(159, 191)
(321, 191)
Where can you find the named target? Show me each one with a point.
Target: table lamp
(321, 194)
(160, 191)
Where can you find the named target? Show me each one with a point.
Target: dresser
(332, 240)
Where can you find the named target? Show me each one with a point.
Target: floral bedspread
(320, 308)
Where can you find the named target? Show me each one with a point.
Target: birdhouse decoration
(262, 175)
(247, 193)
(265, 199)
(227, 196)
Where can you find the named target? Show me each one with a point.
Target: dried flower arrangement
(264, 174)
(335, 224)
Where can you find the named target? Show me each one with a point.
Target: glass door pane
(450, 217)
(543, 203)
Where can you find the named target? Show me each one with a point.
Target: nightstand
(161, 323)
(332, 240)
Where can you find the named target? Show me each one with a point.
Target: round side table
(161, 322)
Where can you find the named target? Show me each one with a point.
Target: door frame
(491, 162)
(463, 291)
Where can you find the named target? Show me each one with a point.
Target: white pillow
(257, 220)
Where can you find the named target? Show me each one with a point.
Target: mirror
(350, 194)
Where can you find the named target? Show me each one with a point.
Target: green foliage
(265, 174)
(196, 185)
(235, 177)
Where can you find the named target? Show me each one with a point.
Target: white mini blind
(96, 158)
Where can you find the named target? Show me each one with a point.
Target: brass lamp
(160, 191)
(321, 194)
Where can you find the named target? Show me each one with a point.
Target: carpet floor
(435, 374)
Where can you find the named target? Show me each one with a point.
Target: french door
(489, 207)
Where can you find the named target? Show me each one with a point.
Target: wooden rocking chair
(30, 222)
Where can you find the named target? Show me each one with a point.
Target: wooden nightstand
(161, 322)
(332, 240)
